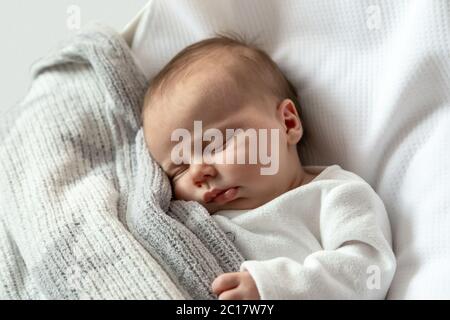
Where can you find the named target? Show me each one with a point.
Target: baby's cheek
(182, 191)
(245, 172)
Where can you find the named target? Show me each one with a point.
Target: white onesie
(328, 239)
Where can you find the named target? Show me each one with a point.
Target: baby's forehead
(207, 92)
(219, 77)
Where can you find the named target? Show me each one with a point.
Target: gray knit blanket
(85, 213)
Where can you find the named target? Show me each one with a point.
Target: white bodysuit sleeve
(356, 260)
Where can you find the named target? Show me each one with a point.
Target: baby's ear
(290, 120)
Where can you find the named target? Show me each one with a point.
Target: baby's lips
(220, 195)
(210, 195)
(226, 196)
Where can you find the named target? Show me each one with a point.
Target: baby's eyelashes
(179, 172)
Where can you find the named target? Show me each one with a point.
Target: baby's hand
(235, 286)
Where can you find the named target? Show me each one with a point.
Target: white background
(30, 29)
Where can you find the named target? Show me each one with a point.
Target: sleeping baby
(227, 129)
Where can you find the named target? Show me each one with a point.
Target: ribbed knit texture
(85, 213)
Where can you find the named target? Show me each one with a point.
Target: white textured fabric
(373, 80)
(328, 239)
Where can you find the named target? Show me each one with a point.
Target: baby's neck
(302, 177)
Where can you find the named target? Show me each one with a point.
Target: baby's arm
(356, 261)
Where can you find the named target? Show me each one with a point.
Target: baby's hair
(254, 58)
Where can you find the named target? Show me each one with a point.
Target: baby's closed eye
(178, 172)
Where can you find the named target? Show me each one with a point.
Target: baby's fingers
(224, 282)
(234, 294)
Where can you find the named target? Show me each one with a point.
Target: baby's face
(221, 182)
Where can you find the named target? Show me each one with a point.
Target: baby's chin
(238, 204)
(214, 208)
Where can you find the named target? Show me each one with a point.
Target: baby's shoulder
(333, 173)
(333, 179)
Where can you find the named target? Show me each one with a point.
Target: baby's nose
(202, 172)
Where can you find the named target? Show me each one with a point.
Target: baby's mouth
(220, 196)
